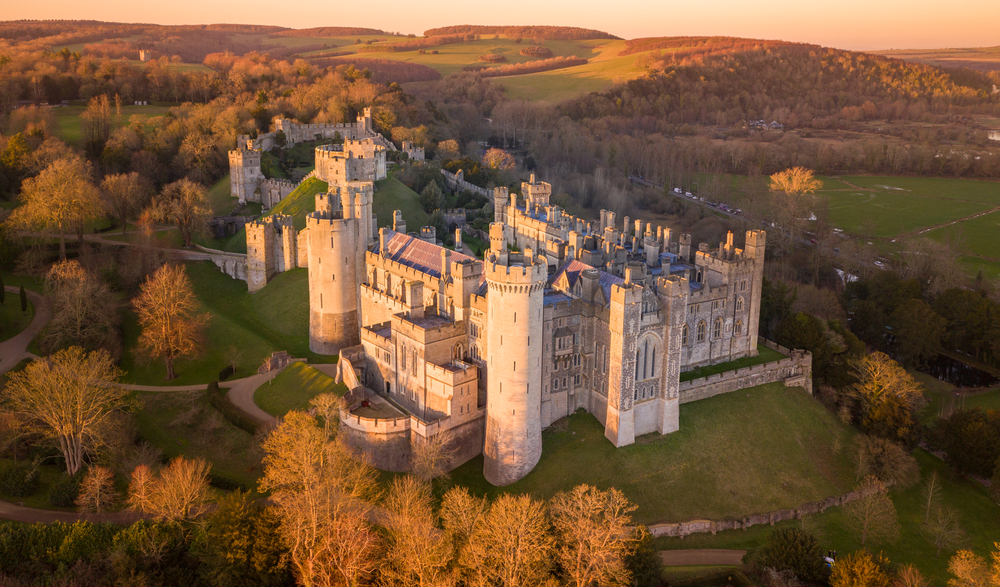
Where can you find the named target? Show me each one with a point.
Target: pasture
(69, 125)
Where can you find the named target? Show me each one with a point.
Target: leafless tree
(67, 397)
(178, 492)
(511, 546)
(167, 308)
(417, 552)
(594, 535)
(943, 529)
(432, 457)
(873, 514)
(97, 490)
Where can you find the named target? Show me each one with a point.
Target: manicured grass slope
(755, 450)
(301, 201)
(293, 388)
(979, 517)
(183, 423)
(274, 319)
(392, 194)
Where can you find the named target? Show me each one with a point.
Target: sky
(845, 24)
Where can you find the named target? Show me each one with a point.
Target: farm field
(757, 450)
(981, 58)
(273, 319)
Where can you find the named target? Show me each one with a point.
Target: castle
(362, 154)
(561, 315)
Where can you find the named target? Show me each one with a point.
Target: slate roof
(416, 254)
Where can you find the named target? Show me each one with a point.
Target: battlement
(515, 273)
(321, 220)
(673, 286)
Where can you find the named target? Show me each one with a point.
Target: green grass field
(979, 517)
(12, 319)
(392, 194)
(756, 450)
(301, 201)
(48, 475)
(69, 125)
(919, 203)
(184, 423)
(273, 319)
(293, 388)
(220, 198)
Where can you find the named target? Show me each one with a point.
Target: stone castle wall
(456, 182)
(682, 529)
(796, 370)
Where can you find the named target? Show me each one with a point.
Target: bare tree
(84, 311)
(125, 195)
(943, 529)
(594, 534)
(417, 552)
(178, 492)
(432, 457)
(932, 494)
(97, 490)
(184, 203)
(322, 494)
(167, 308)
(909, 576)
(462, 516)
(968, 570)
(511, 546)
(67, 397)
(327, 406)
(873, 514)
(61, 197)
(97, 122)
(887, 461)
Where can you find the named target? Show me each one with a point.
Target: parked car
(689, 194)
(677, 190)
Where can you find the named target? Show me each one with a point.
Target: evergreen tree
(24, 299)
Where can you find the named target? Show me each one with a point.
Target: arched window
(701, 331)
(684, 335)
(717, 328)
(738, 329)
(456, 353)
(739, 304)
(638, 363)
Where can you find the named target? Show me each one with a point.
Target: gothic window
(738, 329)
(576, 380)
(576, 360)
(717, 329)
(743, 285)
(739, 304)
(456, 353)
(701, 331)
(684, 335)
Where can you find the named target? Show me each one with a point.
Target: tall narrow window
(684, 335)
(701, 331)
(717, 328)
(739, 304)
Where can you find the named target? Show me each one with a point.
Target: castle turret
(333, 285)
(673, 293)
(623, 324)
(685, 248)
(514, 348)
(260, 254)
(501, 198)
(245, 175)
(754, 249)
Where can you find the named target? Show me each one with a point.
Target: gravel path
(705, 556)
(15, 349)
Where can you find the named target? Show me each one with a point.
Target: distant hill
(329, 31)
(978, 58)
(555, 33)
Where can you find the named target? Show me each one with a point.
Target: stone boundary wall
(795, 370)
(682, 529)
(456, 182)
(232, 264)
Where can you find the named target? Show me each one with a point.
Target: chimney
(445, 263)
(589, 282)
(685, 248)
(415, 299)
(383, 241)
(458, 241)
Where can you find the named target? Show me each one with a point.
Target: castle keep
(561, 315)
(362, 155)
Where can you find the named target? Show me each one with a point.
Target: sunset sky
(849, 24)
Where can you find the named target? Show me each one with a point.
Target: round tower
(333, 299)
(514, 371)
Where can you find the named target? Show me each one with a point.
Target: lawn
(893, 213)
(48, 475)
(301, 201)
(943, 399)
(184, 423)
(274, 319)
(764, 355)
(69, 125)
(979, 517)
(12, 319)
(220, 198)
(293, 388)
(392, 194)
(755, 450)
